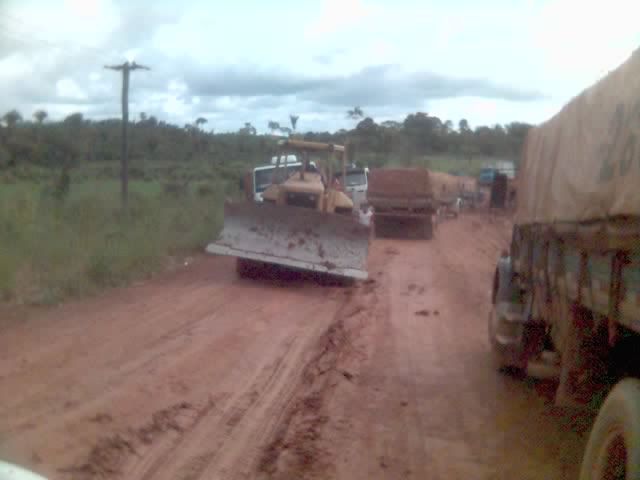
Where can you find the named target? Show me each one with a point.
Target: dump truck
(403, 202)
(304, 222)
(566, 296)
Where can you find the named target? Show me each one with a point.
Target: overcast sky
(490, 61)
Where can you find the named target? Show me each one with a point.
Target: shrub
(206, 190)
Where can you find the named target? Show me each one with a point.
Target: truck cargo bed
(400, 190)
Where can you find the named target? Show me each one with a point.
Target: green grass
(51, 249)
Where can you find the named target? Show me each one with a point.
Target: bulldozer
(305, 222)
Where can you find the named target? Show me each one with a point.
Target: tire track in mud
(119, 370)
(193, 451)
(174, 343)
(109, 455)
(246, 428)
(294, 447)
(227, 434)
(239, 345)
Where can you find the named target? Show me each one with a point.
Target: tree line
(76, 139)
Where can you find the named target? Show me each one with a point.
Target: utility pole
(126, 69)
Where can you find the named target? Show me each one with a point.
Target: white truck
(566, 297)
(259, 178)
(355, 185)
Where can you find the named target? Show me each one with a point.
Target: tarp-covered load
(583, 165)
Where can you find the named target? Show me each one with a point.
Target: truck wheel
(380, 229)
(428, 228)
(498, 359)
(613, 449)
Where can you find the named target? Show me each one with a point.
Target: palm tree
(294, 121)
(40, 116)
(355, 113)
(273, 126)
(200, 121)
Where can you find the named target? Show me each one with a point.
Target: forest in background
(79, 141)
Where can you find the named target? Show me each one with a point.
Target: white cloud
(586, 38)
(337, 15)
(83, 23)
(68, 89)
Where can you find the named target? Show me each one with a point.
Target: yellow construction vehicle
(305, 222)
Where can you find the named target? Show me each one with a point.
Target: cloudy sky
(490, 61)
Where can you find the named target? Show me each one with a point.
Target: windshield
(264, 177)
(354, 179)
(487, 173)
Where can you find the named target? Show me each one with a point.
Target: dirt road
(200, 375)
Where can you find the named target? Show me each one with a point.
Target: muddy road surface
(201, 375)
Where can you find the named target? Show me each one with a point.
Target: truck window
(354, 179)
(264, 177)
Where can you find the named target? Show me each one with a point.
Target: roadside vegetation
(59, 241)
(63, 231)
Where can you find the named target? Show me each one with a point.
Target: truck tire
(428, 228)
(505, 356)
(613, 449)
(380, 227)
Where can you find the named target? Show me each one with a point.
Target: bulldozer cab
(315, 185)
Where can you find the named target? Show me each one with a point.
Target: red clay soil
(200, 375)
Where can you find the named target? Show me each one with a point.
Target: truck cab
(262, 177)
(486, 176)
(355, 184)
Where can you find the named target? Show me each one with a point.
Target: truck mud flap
(294, 237)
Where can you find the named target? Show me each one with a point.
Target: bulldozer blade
(299, 238)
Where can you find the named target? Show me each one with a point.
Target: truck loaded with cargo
(566, 297)
(403, 202)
